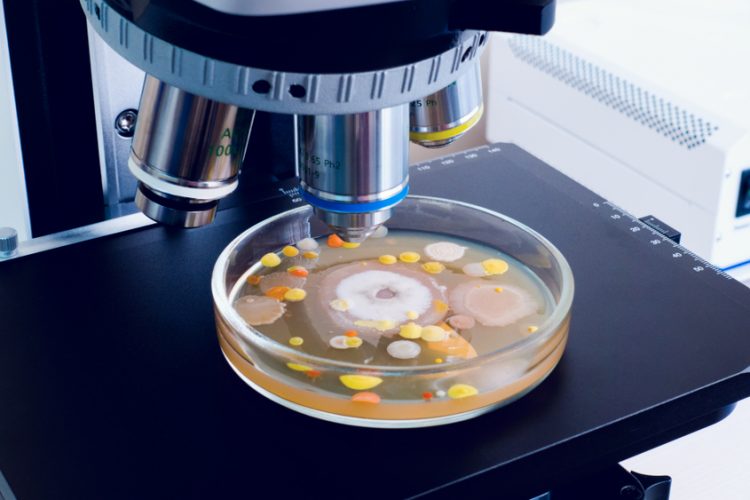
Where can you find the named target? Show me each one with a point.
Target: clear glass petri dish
(496, 378)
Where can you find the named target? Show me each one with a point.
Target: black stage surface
(112, 384)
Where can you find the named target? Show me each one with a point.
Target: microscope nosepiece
(186, 153)
(354, 168)
(440, 118)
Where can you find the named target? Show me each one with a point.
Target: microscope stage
(112, 384)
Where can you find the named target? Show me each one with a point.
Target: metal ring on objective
(448, 133)
(178, 181)
(354, 208)
(182, 212)
(447, 126)
(169, 188)
(345, 198)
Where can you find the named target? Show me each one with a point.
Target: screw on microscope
(125, 123)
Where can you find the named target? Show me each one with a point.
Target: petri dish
(449, 338)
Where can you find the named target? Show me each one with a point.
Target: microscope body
(359, 78)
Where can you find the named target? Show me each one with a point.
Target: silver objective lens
(354, 168)
(442, 117)
(186, 154)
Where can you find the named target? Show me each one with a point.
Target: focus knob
(8, 242)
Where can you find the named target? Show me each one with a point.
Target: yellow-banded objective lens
(446, 115)
(444, 137)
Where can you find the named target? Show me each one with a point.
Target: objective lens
(442, 117)
(354, 168)
(186, 153)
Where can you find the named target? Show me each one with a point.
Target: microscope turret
(362, 77)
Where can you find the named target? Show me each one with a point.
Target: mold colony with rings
(399, 299)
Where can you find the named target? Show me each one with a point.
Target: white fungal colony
(383, 295)
(444, 251)
(404, 349)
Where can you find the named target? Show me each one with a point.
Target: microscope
(113, 386)
(361, 78)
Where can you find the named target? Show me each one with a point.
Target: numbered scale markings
(656, 239)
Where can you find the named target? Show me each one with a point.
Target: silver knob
(8, 242)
